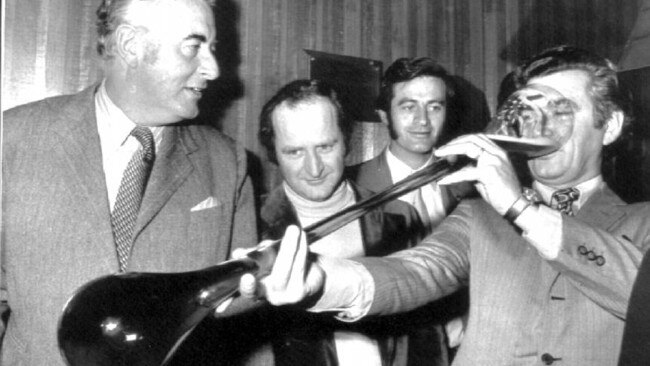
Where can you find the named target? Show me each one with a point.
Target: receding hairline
(294, 104)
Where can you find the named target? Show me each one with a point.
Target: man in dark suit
(550, 280)
(64, 159)
(415, 101)
(305, 132)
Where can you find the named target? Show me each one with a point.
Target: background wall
(49, 45)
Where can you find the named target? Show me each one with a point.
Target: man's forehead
(317, 104)
(421, 85)
(569, 83)
(305, 117)
(185, 18)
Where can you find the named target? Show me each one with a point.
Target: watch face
(534, 120)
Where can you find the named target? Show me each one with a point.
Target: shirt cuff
(349, 289)
(542, 227)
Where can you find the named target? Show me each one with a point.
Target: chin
(422, 148)
(188, 112)
(546, 175)
(318, 196)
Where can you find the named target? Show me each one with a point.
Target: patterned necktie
(421, 208)
(129, 196)
(564, 199)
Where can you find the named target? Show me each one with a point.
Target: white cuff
(349, 289)
(542, 227)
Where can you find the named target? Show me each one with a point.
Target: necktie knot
(145, 137)
(564, 199)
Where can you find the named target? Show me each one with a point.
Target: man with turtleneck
(305, 131)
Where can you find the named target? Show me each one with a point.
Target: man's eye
(292, 153)
(326, 148)
(564, 108)
(192, 49)
(408, 107)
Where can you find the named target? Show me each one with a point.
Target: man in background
(305, 132)
(550, 270)
(415, 101)
(118, 177)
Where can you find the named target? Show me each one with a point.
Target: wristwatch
(517, 208)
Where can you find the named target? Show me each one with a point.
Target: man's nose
(314, 164)
(208, 67)
(422, 116)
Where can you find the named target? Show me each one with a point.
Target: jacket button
(591, 256)
(582, 250)
(600, 260)
(548, 359)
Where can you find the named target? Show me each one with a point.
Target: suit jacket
(374, 174)
(525, 310)
(636, 336)
(56, 219)
(427, 341)
(301, 338)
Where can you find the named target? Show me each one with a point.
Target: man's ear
(613, 127)
(383, 116)
(128, 44)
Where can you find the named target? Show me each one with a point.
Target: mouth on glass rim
(535, 120)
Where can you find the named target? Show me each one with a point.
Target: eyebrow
(411, 100)
(333, 141)
(197, 36)
(287, 149)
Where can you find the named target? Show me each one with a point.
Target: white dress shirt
(431, 193)
(543, 229)
(118, 146)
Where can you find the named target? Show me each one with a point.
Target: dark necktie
(421, 208)
(564, 199)
(129, 196)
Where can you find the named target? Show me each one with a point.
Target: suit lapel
(80, 150)
(371, 223)
(384, 179)
(171, 168)
(600, 210)
(277, 214)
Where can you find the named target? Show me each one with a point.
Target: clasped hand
(295, 276)
(493, 173)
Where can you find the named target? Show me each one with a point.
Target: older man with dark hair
(549, 270)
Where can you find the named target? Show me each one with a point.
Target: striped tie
(129, 196)
(564, 199)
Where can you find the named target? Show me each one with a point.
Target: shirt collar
(400, 170)
(586, 189)
(113, 125)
